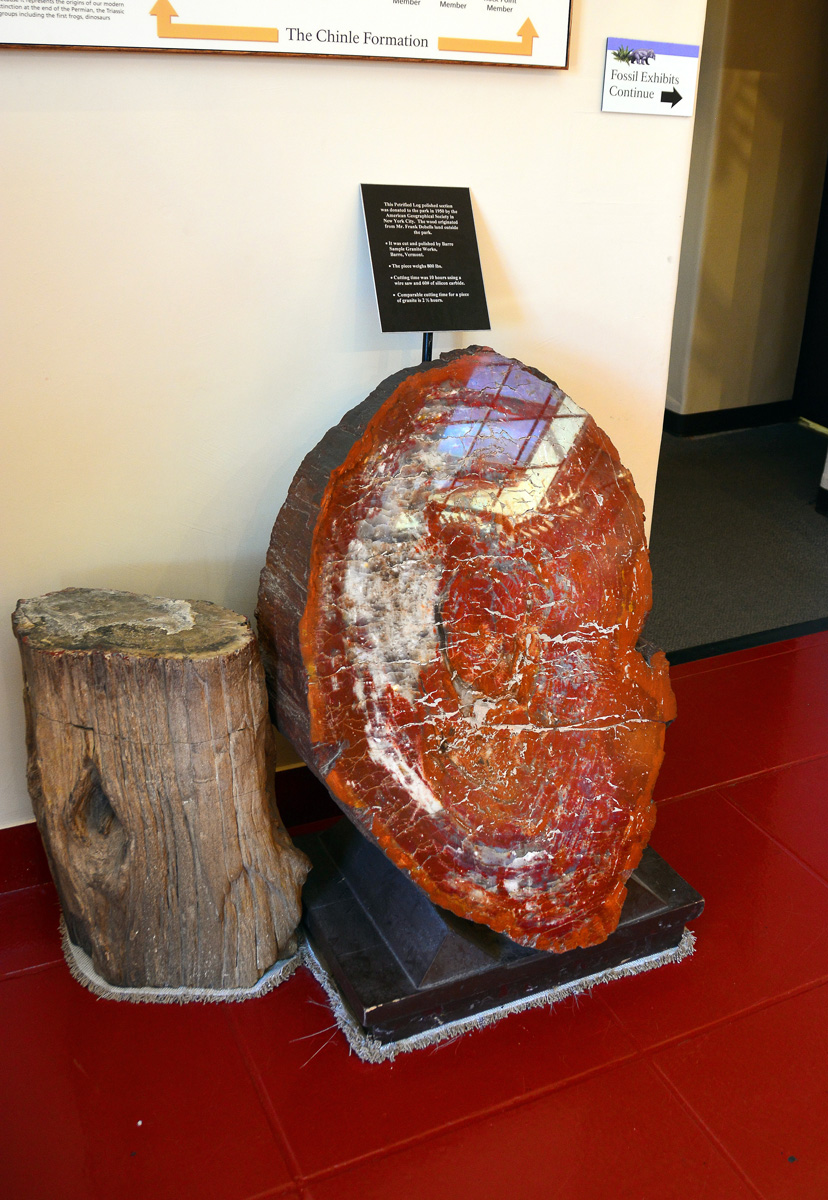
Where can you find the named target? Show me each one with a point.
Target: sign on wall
(424, 258)
(658, 78)
(516, 33)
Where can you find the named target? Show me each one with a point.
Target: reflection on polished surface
(478, 583)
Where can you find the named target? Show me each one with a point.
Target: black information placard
(424, 257)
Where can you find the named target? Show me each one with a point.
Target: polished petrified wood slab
(450, 614)
(151, 774)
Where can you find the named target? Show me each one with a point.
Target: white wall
(188, 305)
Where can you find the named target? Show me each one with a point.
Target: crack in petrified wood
(450, 612)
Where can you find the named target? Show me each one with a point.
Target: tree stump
(449, 616)
(150, 768)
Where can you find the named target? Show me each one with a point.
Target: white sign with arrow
(650, 77)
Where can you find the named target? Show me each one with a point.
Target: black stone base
(404, 966)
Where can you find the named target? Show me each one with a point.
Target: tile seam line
(505, 1106)
(29, 887)
(271, 1115)
(644, 1055)
(713, 787)
(791, 853)
(647, 1052)
(19, 972)
(289, 1189)
(713, 1138)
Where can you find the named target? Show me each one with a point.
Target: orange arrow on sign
(163, 11)
(527, 34)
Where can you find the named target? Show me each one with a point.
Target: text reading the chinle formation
(525, 33)
(350, 37)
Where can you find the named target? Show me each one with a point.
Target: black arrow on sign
(673, 97)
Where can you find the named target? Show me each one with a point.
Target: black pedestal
(404, 966)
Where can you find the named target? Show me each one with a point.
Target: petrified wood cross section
(450, 611)
(151, 772)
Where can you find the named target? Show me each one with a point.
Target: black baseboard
(725, 420)
(747, 641)
(822, 501)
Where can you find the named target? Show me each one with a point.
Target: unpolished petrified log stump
(450, 614)
(151, 775)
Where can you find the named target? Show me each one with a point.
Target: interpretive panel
(518, 33)
(424, 258)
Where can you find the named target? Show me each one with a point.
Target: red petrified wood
(450, 610)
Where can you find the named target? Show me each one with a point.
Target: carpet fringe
(363, 1044)
(371, 1050)
(82, 969)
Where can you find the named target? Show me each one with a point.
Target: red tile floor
(704, 1079)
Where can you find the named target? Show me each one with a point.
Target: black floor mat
(737, 546)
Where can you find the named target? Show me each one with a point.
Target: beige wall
(188, 297)
(756, 180)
